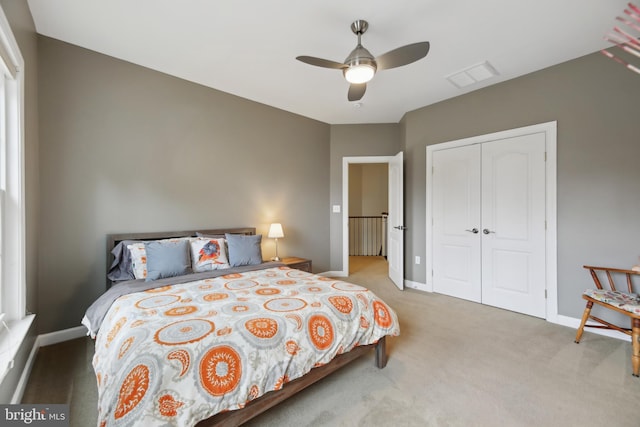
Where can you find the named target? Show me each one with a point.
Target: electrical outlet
(417, 259)
(336, 208)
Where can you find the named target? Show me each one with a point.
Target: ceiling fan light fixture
(359, 73)
(360, 66)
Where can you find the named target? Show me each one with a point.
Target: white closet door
(513, 224)
(456, 222)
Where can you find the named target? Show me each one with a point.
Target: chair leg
(635, 336)
(585, 317)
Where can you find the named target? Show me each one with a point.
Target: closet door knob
(473, 230)
(487, 231)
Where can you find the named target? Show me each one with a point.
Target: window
(3, 168)
(12, 217)
(12, 269)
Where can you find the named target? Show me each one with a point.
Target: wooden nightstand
(298, 263)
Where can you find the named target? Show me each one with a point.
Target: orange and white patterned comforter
(179, 354)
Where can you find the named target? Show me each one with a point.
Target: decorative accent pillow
(167, 259)
(244, 250)
(208, 254)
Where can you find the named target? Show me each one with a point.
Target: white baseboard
(61, 336)
(574, 323)
(24, 377)
(43, 341)
(416, 285)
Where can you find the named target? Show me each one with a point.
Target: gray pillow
(121, 268)
(167, 259)
(244, 250)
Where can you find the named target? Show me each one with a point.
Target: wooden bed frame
(272, 398)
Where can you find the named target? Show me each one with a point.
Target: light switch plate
(336, 208)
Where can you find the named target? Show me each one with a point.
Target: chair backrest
(613, 275)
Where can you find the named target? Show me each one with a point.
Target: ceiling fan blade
(356, 91)
(402, 56)
(319, 62)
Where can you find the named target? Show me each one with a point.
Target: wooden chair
(625, 302)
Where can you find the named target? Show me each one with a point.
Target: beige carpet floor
(456, 363)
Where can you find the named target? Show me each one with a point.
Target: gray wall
(124, 148)
(595, 102)
(350, 141)
(368, 189)
(23, 28)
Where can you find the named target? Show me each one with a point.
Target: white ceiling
(248, 48)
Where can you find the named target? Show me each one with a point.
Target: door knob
(473, 230)
(487, 231)
(400, 227)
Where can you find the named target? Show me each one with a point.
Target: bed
(195, 329)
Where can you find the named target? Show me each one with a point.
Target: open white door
(395, 223)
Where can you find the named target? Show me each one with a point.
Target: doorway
(491, 219)
(368, 205)
(394, 236)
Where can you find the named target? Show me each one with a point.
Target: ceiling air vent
(474, 74)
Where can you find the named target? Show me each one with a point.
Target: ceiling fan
(360, 66)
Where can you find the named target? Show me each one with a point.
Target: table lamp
(275, 232)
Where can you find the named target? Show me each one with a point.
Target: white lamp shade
(275, 231)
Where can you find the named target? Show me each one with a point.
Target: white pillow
(208, 254)
(138, 260)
